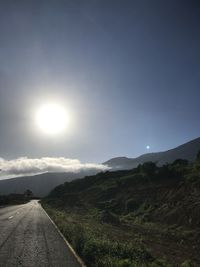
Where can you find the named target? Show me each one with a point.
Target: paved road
(29, 239)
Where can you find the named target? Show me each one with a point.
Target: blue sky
(127, 70)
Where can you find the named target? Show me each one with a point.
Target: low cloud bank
(27, 166)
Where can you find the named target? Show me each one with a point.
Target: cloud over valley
(31, 166)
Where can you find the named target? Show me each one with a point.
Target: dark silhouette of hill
(171, 193)
(186, 151)
(161, 204)
(40, 184)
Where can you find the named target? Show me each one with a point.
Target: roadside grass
(102, 244)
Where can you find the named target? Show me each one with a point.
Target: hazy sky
(128, 71)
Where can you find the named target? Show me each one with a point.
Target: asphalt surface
(28, 238)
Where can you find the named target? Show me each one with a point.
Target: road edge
(80, 261)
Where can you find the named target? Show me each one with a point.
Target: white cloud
(27, 166)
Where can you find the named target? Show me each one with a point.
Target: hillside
(156, 207)
(186, 151)
(40, 184)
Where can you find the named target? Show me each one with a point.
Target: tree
(198, 156)
(180, 162)
(149, 168)
(28, 194)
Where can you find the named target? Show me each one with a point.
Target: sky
(128, 72)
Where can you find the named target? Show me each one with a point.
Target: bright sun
(52, 119)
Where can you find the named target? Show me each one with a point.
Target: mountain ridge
(186, 151)
(42, 184)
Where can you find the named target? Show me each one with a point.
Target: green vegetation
(148, 216)
(101, 244)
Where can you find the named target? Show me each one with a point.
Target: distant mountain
(40, 184)
(186, 151)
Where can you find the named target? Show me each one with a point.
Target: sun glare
(52, 119)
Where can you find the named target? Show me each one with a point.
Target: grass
(102, 244)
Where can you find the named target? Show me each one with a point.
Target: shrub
(108, 217)
(149, 168)
(131, 205)
(96, 251)
(187, 263)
